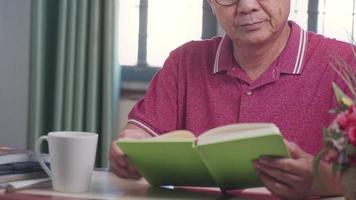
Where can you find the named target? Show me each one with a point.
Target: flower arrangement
(339, 138)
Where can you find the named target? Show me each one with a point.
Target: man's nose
(248, 6)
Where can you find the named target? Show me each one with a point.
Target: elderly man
(264, 69)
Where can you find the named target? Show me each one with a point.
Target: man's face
(252, 22)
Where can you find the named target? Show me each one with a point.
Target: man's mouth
(251, 26)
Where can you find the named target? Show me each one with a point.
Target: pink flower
(347, 119)
(342, 120)
(331, 155)
(351, 134)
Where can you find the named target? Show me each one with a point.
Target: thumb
(294, 150)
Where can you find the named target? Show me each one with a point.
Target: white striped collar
(292, 56)
(299, 61)
(217, 55)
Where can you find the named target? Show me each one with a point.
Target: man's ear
(211, 6)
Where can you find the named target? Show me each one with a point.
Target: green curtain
(74, 83)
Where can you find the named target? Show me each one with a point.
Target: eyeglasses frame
(226, 5)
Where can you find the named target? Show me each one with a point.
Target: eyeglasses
(227, 2)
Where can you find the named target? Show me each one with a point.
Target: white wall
(14, 71)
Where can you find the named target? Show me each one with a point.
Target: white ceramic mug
(72, 157)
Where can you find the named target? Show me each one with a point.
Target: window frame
(136, 78)
(313, 15)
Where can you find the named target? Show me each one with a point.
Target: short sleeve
(157, 111)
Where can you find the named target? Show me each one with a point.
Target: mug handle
(39, 155)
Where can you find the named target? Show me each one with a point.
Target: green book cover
(221, 157)
(168, 160)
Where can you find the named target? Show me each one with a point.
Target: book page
(237, 131)
(22, 176)
(11, 155)
(178, 135)
(17, 185)
(10, 151)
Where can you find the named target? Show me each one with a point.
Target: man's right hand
(119, 163)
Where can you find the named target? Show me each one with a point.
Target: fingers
(117, 156)
(295, 150)
(284, 177)
(278, 175)
(274, 186)
(292, 166)
(127, 173)
(120, 165)
(125, 170)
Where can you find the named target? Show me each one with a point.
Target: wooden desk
(107, 186)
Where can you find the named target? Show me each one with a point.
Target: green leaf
(335, 111)
(316, 162)
(349, 149)
(335, 168)
(325, 136)
(335, 135)
(340, 96)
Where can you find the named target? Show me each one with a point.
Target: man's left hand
(288, 178)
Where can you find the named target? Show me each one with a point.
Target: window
(128, 31)
(182, 23)
(327, 17)
(150, 29)
(158, 35)
(336, 19)
(299, 13)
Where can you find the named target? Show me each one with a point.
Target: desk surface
(107, 186)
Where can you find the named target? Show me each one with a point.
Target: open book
(220, 157)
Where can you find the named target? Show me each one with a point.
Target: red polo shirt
(201, 86)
